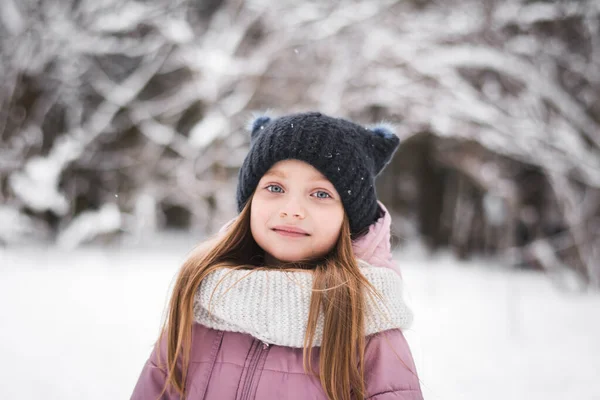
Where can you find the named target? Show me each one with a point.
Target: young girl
(296, 298)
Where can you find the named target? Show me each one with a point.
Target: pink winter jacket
(231, 365)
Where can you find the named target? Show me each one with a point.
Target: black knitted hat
(347, 154)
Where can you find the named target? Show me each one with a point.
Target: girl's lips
(290, 232)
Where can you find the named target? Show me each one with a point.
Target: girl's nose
(298, 215)
(292, 208)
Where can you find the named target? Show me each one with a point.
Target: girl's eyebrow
(319, 178)
(275, 173)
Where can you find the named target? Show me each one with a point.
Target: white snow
(206, 131)
(158, 133)
(122, 18)
(482, 332)
(178, 31)
(81, 324)
(37, 185)
(15, 226)
(90, 224)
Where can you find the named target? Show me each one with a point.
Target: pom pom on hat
(384, 144)
(258, 122)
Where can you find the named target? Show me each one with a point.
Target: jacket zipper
(261, 347)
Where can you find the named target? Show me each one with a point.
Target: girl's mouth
(290, 231)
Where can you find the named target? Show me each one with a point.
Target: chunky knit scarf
(273, 305)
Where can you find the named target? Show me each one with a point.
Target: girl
(296, 298)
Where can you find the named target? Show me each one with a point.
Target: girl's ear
(257, 123)
(382, 144)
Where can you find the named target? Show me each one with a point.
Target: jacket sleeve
(390, 371)
(152, 379)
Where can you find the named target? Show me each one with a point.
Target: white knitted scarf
(273, 305)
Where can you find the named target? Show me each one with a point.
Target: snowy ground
(80, 325)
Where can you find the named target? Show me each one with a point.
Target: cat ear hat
(349, 155)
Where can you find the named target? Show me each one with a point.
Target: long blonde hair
(339, 290)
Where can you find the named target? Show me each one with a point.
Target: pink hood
(375, 247)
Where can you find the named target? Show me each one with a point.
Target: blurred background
(123, 125)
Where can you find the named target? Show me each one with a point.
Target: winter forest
(123, 125)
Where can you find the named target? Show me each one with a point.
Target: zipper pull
(265, 345)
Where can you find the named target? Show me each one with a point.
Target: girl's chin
(288, 258)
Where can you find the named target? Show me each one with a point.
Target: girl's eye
(274, 189)
(322, 195)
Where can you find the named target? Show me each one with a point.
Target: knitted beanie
(348, 155)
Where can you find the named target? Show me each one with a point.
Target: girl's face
(296, 213)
